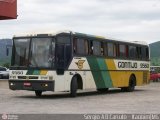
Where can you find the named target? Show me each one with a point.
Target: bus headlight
(11, 84)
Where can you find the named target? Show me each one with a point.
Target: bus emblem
(80, 64)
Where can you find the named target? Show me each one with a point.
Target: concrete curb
(4, 84)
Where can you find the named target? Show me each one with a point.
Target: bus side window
(105, 49)
(132, 52)
(139, 52)
(117, 50)
(147, 53)
(91, 48)
(122, 50)
(102, 49)
(143, 52)
(75, 45)
(115, 46)
(96, 48)
(110, 49)
(86, 47)
(80, 46)
(127, 53)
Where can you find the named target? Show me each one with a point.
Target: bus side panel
(59, 82)
(89, 82)
(120, 77)
(80, 66)
(68, 78)
(116, 76)
(100, 72)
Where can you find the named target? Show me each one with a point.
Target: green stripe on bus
(104, 73)
(36, 72)
(33, 72)
(101, 76)
(30, 72)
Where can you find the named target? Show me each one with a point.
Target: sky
(129, 20)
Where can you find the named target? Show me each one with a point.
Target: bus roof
(78, 34)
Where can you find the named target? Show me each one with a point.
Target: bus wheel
(38, 93)
(102, 90)
(132, 84)
(131, 87)
(74, 86)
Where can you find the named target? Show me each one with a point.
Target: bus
(71, 61)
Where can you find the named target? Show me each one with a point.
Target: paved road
(145, 99)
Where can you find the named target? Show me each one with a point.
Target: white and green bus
(69, 61)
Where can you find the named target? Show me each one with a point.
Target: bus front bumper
(32, 85)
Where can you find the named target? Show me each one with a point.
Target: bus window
(139, 52)
(91, 48)
(111, 49)
(80, 46)
(115, 50)
(20, 52)
(86, 47)
(145, 53)
(41, 52)
(75, 45)
(132, 52)
(96, 48)
(127, 51)
(105, 49)
(122, 51)
(102, 49)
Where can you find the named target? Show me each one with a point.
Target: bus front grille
(28, 77)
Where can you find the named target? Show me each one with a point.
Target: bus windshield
(21, 52)
(42, 52)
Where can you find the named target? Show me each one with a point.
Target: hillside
(155, 53)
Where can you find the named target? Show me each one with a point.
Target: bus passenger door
(60, 58)
(63, 57)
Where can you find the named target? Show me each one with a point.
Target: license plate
(27, 84)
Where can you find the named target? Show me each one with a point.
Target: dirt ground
(144, 99)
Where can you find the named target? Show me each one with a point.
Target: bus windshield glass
(21, 52)
(42, 52)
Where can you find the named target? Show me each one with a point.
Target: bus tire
(74, 86)
(131, 86)
(102, 90)
(38, 93)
